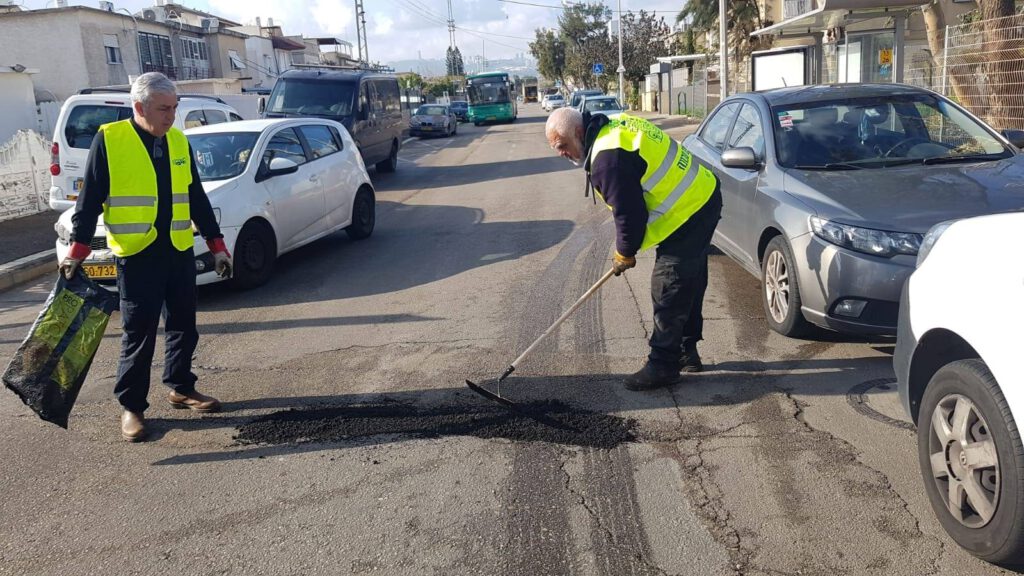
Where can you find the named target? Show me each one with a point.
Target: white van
(81, 117)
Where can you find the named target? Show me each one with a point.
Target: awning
(688, 58)
(832, 13)
(282, 43)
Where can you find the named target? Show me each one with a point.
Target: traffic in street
(348, 442)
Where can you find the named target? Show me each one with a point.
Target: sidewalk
(676, 126)
(27, 248)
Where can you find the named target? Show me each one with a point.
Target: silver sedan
(828, 191)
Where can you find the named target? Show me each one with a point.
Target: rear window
(312, 98)
(84, 122)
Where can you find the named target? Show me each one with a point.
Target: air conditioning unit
(210, 24)
(106, 6)
(149, 15)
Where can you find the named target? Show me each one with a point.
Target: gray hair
(151, 83)
(566, 122)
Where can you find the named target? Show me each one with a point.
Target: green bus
(490, 98)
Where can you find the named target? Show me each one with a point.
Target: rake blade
(489, 395)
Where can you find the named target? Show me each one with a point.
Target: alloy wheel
(964, 461)
(776, 286)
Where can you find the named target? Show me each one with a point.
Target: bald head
(564, 131)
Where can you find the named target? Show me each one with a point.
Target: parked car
(554, 101)
(960, 377)
(80, 119)
(275, 186)
(461, 110)
(606, 105)
(433, 120)
(579, 95)
(828, 190)
(368, 104)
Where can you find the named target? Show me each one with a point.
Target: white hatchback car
(81, 117)
(275, 185)
(960, 372)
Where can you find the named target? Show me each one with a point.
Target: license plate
(100, 271)
(492, 117)
(426, 128)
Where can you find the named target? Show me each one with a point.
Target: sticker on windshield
(785, 120)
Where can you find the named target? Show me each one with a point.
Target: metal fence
(24, 176)
(981, 67)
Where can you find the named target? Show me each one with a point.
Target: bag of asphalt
(50, 366)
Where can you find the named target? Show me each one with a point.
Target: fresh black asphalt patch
(548, 421)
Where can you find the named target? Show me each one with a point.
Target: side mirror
(740, 158)
(1016, 137)
(281, 166)
(261, 105)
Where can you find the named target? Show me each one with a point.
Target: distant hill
(434, 67)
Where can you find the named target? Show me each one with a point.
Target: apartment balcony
(180, 72)
(794, 8)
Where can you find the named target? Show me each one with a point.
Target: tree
(583, 30)
(549, 51)
(744, 17)
(454, 63)
(410, 80)
(641, 45)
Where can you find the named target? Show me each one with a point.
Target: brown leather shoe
(133, 426)
(194, 401)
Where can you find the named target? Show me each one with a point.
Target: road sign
(621, 70)
(598, 68)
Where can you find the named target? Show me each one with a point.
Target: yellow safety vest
(129, 214)
(675, 187)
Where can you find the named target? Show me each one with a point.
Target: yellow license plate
(100, 271)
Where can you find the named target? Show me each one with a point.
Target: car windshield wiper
(963, 158)
(830, 166)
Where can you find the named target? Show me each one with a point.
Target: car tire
(391, 163)
(780, 290)
(455, 129)
(968, 385)
(255, 255)
(476, 123)
(364, 215)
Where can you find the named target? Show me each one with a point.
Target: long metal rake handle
(566, 314)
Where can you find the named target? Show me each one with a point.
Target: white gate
(46, 117)
(24, 175)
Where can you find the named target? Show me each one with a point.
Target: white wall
(50, 43)
(19, 103)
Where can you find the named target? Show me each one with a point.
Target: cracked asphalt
(347, 446)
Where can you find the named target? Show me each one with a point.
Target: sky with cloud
(401, 29)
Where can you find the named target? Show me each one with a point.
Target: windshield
(430, 111)
(312, 98)
(878, 132)
(460, 104)
(222, 155)
(601, 104)
(488, 91)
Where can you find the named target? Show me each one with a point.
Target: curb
(28, 268)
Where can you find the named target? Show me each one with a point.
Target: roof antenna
(784, 85)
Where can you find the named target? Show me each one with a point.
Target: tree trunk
(1000, 65)
(957, 72)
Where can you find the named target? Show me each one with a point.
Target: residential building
(17, 94)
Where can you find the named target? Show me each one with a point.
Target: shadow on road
(413, 245)
(426, 177)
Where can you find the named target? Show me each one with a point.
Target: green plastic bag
(50, 366)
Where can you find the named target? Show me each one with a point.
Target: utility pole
(622, 69)
(451, 27)
(723, 53)
(364, 52)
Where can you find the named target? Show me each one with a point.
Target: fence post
(26, 142)
(945, 59)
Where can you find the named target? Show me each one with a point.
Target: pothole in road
(878, 400)
(549, 421)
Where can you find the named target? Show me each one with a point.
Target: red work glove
(221, 257)
(71, 263)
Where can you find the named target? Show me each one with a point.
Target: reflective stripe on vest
(129, 214)
(675, 187)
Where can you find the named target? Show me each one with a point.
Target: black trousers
(678, 283)
(160, 280)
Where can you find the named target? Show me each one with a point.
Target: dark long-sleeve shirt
(617, 174)
(96, 189)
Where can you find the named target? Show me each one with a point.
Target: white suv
(81, 117)
(960, 372)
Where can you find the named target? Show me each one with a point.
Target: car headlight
(931, 238)
(866, 240)
(63, 234)
(414, 121)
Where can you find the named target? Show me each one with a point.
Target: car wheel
(391, 164)
(476, 123)
(364, 215)
(780, 290)
(255, 255)
(972, 461)
(455, 129)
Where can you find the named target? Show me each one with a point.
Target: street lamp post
(723, 52)
(622, 69)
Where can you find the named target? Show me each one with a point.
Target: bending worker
(141, 177)
(659, 196)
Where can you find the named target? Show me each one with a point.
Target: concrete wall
(50, 41)
(219, 45)
(19, 108)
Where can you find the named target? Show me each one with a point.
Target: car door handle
(314, 178)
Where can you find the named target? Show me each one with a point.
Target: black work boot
(652, 376)
(691, 361)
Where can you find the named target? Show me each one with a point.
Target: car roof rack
(103, 90)
(204, 96)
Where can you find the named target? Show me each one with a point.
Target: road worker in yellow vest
(141, 177)
(660, 198)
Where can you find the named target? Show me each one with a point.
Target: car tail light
(55, 160)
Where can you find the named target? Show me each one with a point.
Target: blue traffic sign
(598, 68)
